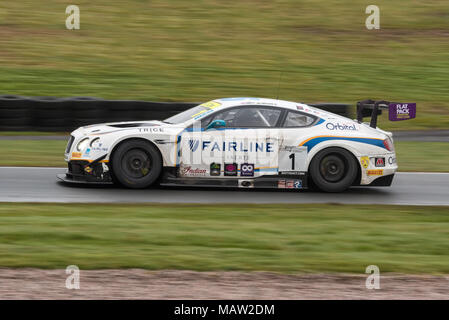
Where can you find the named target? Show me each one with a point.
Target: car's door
(236, 142)
(294, 126)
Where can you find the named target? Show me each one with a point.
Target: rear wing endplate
(397, 111)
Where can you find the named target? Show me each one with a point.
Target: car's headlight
(93, 141)
(82, 144)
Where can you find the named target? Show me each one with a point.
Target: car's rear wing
(397, 111)
(341, 109)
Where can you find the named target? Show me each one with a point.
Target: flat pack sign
(402, 111)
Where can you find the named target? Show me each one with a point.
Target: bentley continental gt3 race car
(242, 143)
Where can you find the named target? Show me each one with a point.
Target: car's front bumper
(82, 171)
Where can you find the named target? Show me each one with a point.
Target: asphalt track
(21, 184)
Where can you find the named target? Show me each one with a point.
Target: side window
(296, 119)
(227, 115)
(248, 117)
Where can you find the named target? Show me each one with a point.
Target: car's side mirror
(216, 124)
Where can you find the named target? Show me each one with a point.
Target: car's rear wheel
(333, 169)
(136, 164)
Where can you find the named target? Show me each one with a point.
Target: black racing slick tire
(333, 169)
(136, 164)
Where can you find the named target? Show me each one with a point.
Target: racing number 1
(292, 156)
(292, 159)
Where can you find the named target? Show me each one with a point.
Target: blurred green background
(196, 51)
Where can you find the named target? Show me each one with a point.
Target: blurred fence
(52, 114)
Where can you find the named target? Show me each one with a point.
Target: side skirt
(281, 181)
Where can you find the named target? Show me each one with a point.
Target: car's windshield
(186, 115)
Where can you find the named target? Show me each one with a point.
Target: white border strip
(38, 168)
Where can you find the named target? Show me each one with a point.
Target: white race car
(238, 142)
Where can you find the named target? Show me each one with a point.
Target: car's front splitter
(69, 178)
(83, 171)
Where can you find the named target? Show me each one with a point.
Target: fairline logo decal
(231, 146)
(193, 145)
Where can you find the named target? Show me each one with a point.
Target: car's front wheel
(136, 164)
(333, 169)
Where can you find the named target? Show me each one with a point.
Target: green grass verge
(32, 153)
(422, 156)
(412, 156)
(197, 51)
(33, 133)
(281, 238)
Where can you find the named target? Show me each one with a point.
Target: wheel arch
(345, 147)
(127, 139)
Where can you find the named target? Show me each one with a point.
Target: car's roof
(231, 102)
(298, 106)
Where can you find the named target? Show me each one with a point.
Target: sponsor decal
(379, 162)
(292, 173)
(96, 145)
(88, 169)
(289, 184)
(100, 149)
(339, 126)
(87, 152)
(202, 114)
(391, 160)
(151, 129)
(377, 172)
(281, 184)
(76, 154)
(297, 184)
(194, 172)
(247, 170)
(401, 111)
(364, 161)
(231, 146)
(246, 183)
(215, 169)
(299, 108)
(292, 149)
(230, 169)
(211, 105)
